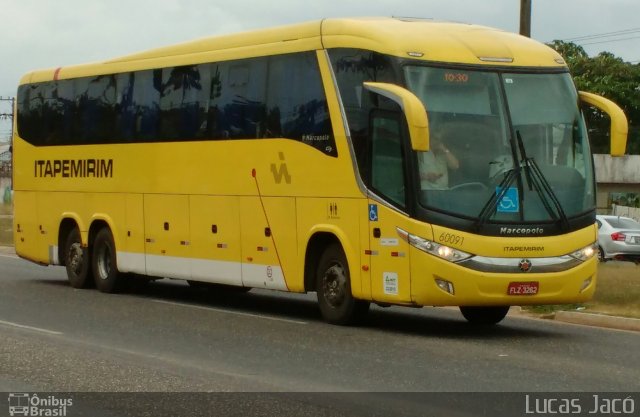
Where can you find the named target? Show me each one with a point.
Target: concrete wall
(617, 170)
(633, 212)
(615, 175)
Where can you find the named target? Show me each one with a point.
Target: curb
(7, 250)
(598, 320)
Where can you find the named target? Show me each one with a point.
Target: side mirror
(413, 109)
(619, 124)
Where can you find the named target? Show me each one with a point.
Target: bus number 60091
(451, 238)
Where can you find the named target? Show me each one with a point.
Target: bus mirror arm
(619, 124)
(414, 112)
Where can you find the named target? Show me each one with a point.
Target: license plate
(523, 288)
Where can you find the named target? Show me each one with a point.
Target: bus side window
(30, 108)
(243, 99)
(182, 100)
(296, 103)
(352, 67)
(95, 117)
(60, 109)
(123, 107)
(146, 106)
(387, 164)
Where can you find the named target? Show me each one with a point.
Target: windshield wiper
(538, 182)
(535, 181)
(491, 205)
(523, 153)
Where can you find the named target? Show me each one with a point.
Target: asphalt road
(169, 337)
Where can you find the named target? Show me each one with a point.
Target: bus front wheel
(484, 316)
(77, 261)
(103, 262)
(333, 287)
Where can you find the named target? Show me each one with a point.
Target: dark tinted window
(184, 99)
(387, 163)
(239, 99)
(269, 97)
(297, 108)
(31, 104)
(125, 111)
(353, 67)
(146, 105)
(96, 108)
(58, 112)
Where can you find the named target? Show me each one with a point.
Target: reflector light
(445, 286)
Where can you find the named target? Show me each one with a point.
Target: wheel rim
(334, 285)
(75, 258)
(104, 262)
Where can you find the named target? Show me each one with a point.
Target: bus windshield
(505, 147)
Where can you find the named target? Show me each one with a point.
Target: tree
(611, 77)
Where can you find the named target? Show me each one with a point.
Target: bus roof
(426, 40)
(438, 41)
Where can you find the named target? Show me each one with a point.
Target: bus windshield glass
(504, 147)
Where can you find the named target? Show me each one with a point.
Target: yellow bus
(375, 160)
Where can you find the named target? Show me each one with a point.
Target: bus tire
(103, 262)
(333, 287)
(77, 261)
(484, 316)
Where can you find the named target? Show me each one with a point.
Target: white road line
(2, 255)
(219, 310)
(22, 326)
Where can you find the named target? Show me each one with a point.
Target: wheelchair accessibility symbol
(373, 212)
(509, 203)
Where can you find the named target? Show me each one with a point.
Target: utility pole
(525, 18)
(5, 116)
(9, 116)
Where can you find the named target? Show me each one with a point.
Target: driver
(434, 165)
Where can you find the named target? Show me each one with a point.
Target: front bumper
(473, 287)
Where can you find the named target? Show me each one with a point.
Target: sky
(53, 33)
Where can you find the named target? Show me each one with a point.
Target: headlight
(441, 251)
(585, 253)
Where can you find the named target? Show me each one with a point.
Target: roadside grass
(617, 293)
(618, 290)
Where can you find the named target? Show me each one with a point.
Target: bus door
(390, 269)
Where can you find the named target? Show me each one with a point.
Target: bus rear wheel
(484, 316)
(77, 260)
(103, 262)
(333, 287)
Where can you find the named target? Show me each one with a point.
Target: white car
(618, 238)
